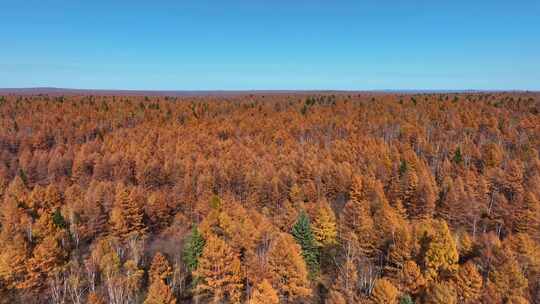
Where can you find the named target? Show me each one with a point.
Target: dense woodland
(274, 198)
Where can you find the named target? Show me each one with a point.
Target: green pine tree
(402, 167)
(304, 237)
(406, 299)
(59, 220)
(193, 249)
(458, 158)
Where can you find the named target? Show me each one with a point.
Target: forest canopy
(270, 198)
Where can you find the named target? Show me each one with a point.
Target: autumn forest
(268, 198)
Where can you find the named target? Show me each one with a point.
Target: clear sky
(253, 44)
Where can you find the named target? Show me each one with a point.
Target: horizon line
(196, 92)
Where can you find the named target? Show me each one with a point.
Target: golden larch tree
(160, 269)
(324, 226)
(384, 292)
(159, 293)
(13, 256)
(440, 293)
(45, 260)
(264, 293)
(127, 214)
(440, 254)
(468, 282)
(287, 269)
(508, 279)
(411, 278)
(357, 227)
(219, 272)
(527, 215)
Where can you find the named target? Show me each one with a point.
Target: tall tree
(324, 226)
(219, 272)
(439, 251)
(347, 281)
(287, 269)
(356, 223)
(13, 256)
(127, 215)
(46, 259)
(527, 215)
(193, 249)
(304, 237)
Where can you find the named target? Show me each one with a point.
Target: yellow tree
(440, 254)
(264, 293)
(16, 190)
(324, 226)
(53, 198)
(384, 292)
(44, 226)
(425, 196)
(287, 269)
(159, 213)
(219, 272)
(392, 232)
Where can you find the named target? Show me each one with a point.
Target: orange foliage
(432, 195)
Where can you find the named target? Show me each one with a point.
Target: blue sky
(236, 45)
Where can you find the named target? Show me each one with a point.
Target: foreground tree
(440, 293)
(218, 272)
(384, 292)
(159, 293)
(45, 262)
(287, 269)
(412, 279)
(264, 293)
(468, 282)
(356, 223)
(440, 255)
(324, 226)
(127, 215)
